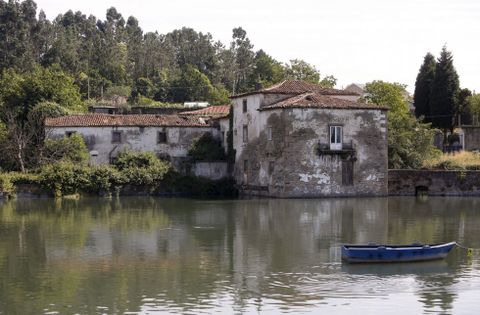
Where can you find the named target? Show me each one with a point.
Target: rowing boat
(395, 253)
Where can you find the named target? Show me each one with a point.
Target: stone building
(296, 139)
(168, 136)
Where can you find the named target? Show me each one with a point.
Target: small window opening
(116, 137)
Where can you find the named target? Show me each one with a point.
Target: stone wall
(435, 183)
(291, 163)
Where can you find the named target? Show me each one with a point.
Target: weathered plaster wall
(179, 140)
(471, 138)
(435, 183)
(224, 124)
(211, 170)
(290, 165)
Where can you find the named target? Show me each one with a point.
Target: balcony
(347, 150)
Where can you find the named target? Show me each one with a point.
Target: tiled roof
(212, 111)
(316, 100)
(104, 120)
(298, 87)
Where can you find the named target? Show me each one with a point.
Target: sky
(354, 40)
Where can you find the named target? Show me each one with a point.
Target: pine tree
(423, 86)
(444, 94)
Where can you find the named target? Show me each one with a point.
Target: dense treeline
(116, 54)
(50, 68)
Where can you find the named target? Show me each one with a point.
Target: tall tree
(409, 140)
(444, 94)
(244, 60)
(423, 87)
(303, 71)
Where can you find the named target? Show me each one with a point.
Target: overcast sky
(354, 40)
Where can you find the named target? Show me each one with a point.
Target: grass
(463, 160)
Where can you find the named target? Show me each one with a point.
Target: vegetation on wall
(207, 149)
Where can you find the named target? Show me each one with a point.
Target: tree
(72, 149)
(267, 71)
(423, 87)
(409, 141)
(462, 112)
(444, 94)
(474, 108)
(302, 71)
(243, 58)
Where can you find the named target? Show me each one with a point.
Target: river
(265, 256)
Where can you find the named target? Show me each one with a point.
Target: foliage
(444, 93)
(409, 141)
(102, 179)
(140, 168)
(474, 107)
(64, 177)
(22, 92)
(128, 159)
(423, 87)
(206, 148)
(303, 71)
(463, 160)
(6, 185)
(71, 148)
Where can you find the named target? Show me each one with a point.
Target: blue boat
(395, 253)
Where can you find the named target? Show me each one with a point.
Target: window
(68, 134)
(245, 166)
(116, 137)
(269, 133)
(162, 137)
(271, 167)
(244, 103)
(335, 137)
(245, 134)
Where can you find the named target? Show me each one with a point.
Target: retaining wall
(433, 182)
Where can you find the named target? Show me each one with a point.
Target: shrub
(140, 168)
(6, 185)
(64, 178)
(206, 148)
(71, 148)
(127, 159)
(102, 178)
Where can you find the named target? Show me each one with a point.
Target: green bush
(140, 168)
(206, 148)
(64, 178)
(102, 179)
(24, 178)
(6, 185)
(127, 159)
(70, 148)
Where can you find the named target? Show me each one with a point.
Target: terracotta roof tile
(212, 111)
(316, 100)
(104, 120)
(298, 87)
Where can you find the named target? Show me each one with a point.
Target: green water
(180, 256)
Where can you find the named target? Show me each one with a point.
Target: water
(180, 256)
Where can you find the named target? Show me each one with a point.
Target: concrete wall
(99, 139)
(290, 165)
(471, 137)
(436, 183)
(211, 170)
